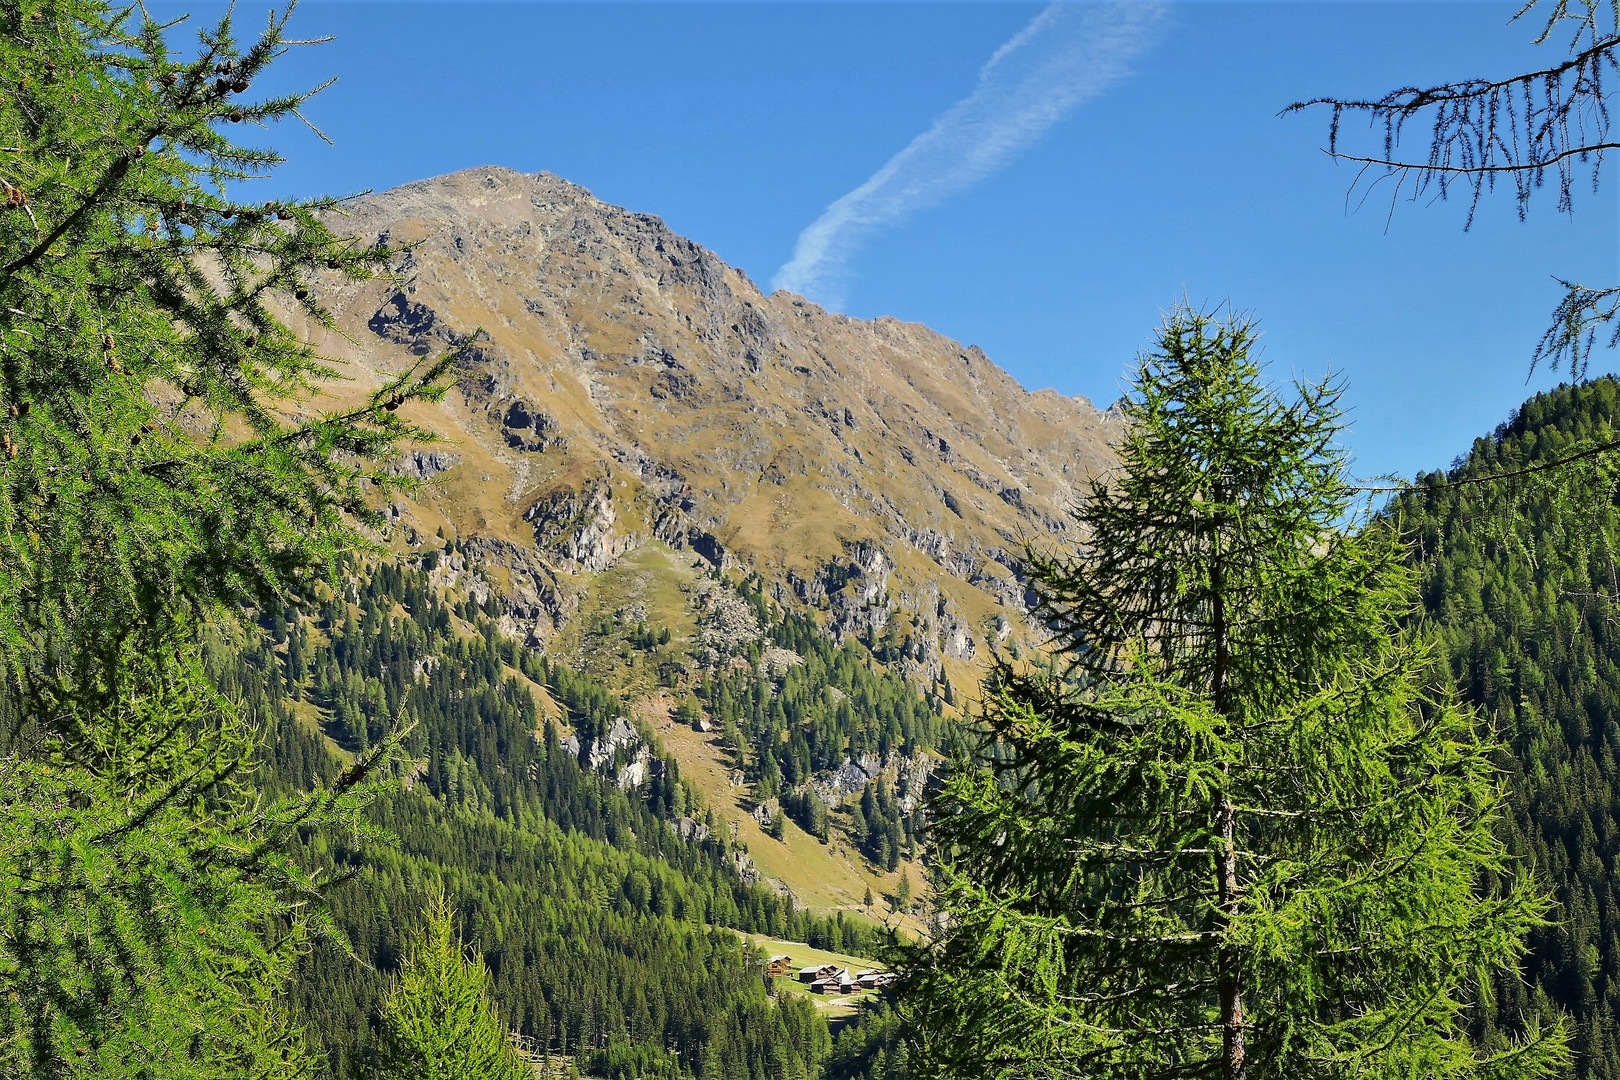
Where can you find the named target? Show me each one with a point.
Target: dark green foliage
(871, 1046)
(880, 828)
(647, 638)
(591, 913)
(1519, 586)
(1230, 832)
(807, 809)
(835, 706)
(152, 479)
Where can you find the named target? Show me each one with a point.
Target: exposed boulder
(577, 527)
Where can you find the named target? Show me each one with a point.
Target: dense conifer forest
(598, 923)
(595, 918)
(833, 704)
(1518, 584)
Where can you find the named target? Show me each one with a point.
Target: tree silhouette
(1539, 130)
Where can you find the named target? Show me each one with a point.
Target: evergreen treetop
(162, 449)
(1229, 830)
(440, 1023)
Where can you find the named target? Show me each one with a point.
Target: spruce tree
(165, 462)
(1231, 827)
(439, 1022)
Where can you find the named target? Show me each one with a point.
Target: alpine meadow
(467, 630)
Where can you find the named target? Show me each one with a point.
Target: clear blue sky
(741, 123)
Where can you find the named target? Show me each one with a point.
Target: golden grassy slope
(787, 432)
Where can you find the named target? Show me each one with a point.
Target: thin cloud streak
(1064, 57)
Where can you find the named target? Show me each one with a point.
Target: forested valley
(602, 928)
(471, 632)
(594, 915)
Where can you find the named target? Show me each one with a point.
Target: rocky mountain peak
(631, 387)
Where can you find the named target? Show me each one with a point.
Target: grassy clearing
(647, 585)
(819, 876)
(803, 956)
(313, 720)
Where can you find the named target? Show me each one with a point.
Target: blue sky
(1158, 168)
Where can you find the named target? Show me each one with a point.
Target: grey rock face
(688, 829)
(426, 464)
(621, 735)
(535, 602)
(577, 528)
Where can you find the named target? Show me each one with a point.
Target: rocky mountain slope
(630, 387)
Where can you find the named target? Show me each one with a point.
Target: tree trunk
(1231, 986)
(1229, 979)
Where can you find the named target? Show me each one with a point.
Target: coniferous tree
(440, 1023)
(163, 462)
(1229, 831)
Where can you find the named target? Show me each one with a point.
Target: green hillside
(597, 919)
(594, 916)
(1519, 588)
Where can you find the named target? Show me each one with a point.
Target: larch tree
(440, 1020)
(1229, 827)
(165, 462)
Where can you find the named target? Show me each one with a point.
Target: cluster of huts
(829, 978)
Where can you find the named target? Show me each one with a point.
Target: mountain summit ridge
(630, 385)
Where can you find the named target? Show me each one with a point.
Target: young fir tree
(1231, 830)
(439, 1022)
(163, 462)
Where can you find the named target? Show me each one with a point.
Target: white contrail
(1065, 56)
